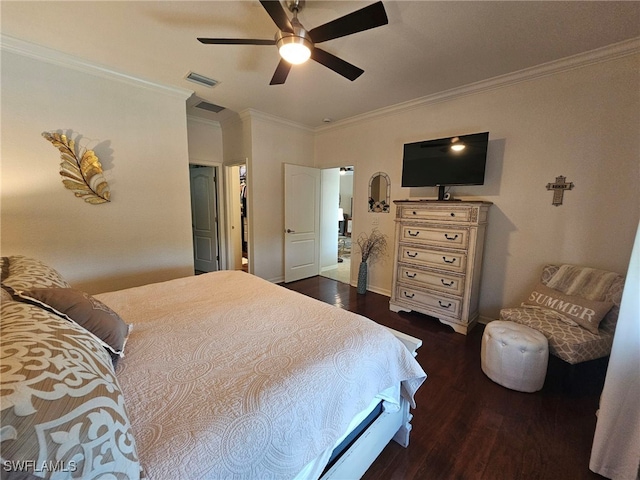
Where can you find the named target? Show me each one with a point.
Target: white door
(301, 222)
(204, 218)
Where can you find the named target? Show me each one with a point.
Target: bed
(222, 375)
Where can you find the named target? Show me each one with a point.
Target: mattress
(226, 375)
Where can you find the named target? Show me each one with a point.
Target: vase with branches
(372, 246)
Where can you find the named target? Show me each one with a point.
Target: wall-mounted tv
(444, 162)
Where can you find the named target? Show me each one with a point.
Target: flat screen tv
(444, 162)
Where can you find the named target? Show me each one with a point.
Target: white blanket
(226, 375)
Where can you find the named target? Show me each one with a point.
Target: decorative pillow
(88, 312)
(569, 308)
(584, 282)
(62, 410)
(25, 273)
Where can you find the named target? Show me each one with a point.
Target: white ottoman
(514, 355)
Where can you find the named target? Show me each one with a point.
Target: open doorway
(337, 213)
(244, 216)
(237, 214)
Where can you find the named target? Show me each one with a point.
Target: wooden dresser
(438, 260)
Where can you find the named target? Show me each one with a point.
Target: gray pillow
(88, 312)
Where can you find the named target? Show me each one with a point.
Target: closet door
(204, 218)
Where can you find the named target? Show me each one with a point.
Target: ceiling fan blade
(281, 73)
(236, 41)
(368, 17)
(336, 64)
(277, 14)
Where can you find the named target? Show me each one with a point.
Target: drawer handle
(414, 234)
(409, 295)
(448, 261)
(450, 284)
(448, 305)
(414, 255)
(446, 235)
(410, 275)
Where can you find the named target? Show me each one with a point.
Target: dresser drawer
(451, 261)
(443, 282)
(439, 305)
(444, 237)
(443, 213)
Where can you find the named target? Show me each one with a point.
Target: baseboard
(330, 267)
(380, 291)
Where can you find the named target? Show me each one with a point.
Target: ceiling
(428, 47)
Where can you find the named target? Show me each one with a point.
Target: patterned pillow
(24, 273)
(88, 312)
(62, 410)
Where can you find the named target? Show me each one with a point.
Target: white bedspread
(226, 375)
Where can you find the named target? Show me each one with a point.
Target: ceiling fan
(296, 44)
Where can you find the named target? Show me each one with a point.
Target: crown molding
(231, 120)
(55, 57)
(205, 121)
(604, 54)
(267, 117)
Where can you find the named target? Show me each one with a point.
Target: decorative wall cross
(558, 189)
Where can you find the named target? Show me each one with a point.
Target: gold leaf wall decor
(82, 174)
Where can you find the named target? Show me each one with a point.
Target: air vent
(212, 107)
(201, 79)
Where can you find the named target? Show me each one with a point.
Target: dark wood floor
(467, 427)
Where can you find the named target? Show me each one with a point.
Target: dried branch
(372, 246)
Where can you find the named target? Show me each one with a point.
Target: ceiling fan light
(293, 49)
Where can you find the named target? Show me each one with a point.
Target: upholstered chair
(568, 340)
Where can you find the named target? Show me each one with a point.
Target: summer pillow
(569, 308)
(86, 311)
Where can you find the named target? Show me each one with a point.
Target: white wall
(274, 142)
(581, 123)
(346, 191)
(205, 141)
(236, 140)
(140, 135)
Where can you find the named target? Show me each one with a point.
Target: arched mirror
(379, 193)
